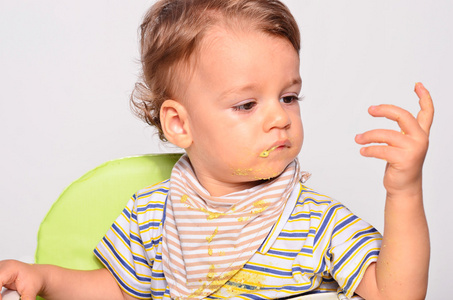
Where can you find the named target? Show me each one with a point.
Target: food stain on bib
(210, 238)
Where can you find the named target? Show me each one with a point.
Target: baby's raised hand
(404, 151)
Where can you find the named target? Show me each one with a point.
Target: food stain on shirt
(210, 238)
(211, 274)
(241, 282)
(211, 215)
(184, 198)
(198, 292)
(243, 219)
(260, 205)
(211, 252)
(259, 210)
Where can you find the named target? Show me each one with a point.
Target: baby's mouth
(281, 144)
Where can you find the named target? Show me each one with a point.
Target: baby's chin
(265, 171)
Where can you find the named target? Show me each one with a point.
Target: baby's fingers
(406, 121)
(383, 136)
(18, 276)
(426, 114)
(384, 152)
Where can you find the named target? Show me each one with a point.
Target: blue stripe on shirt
(344, 223)
(351, 280)
(118, 279)
(123, 237)
(328, 216)
(267, 270)
(351, 252)
(162, 190)
(124, 263)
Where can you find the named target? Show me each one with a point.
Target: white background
(67, 69)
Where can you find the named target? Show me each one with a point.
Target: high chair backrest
(86, 209)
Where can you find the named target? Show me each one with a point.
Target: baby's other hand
(22, 277)
(404, 151)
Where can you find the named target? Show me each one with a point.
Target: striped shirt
(317, 245)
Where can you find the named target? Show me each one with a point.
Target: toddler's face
(243, 109)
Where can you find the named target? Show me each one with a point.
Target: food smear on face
(266, 153)
(272, 175)
(242, 172)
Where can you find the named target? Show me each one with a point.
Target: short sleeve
(353, 245)
(122, 252)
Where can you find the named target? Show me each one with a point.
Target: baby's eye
(288, 99)
(245, 106)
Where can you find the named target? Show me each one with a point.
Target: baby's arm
(52, 282)
(401, 271)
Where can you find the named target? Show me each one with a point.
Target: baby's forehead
(240, 61)
(216, 37)
(225, 38)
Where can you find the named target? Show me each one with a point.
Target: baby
(235, 220)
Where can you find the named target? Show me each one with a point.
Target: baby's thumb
(426, 114)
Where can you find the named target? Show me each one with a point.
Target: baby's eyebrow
(293, 83)
(254, 86)
(239, 90)
(296, 81)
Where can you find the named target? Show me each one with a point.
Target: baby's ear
(175, 125)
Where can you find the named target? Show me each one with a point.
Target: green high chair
(86, 209)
